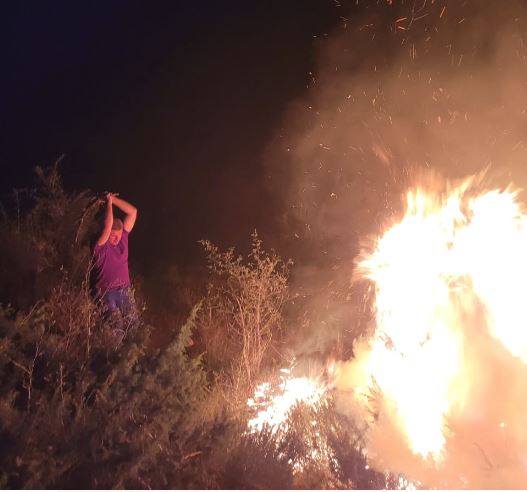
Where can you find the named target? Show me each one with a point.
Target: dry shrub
(74, 411)
(255, 462)
(51, 232)
(242, 314)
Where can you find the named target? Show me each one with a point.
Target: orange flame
(452, 271)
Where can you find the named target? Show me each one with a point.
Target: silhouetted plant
(244, 304)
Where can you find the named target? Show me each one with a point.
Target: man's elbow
(133, 215)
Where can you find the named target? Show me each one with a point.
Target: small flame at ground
(273, 403)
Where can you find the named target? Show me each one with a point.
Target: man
(111, 266)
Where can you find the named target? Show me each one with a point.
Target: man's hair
(117, 224)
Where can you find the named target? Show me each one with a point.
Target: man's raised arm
(129, 210)
(108, 220)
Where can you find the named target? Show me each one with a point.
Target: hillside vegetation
(167, 409)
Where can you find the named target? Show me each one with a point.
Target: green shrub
(74, 412)
(50, 233)
(77, 416)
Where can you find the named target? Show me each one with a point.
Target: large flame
(450, 300)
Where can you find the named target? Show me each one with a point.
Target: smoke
(401, 87)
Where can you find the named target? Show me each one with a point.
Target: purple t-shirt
(111, 264)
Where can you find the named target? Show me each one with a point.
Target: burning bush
(449, 316)
(313, 447)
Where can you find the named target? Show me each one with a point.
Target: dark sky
(169, 103)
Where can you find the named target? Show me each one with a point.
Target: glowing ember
(273, 403)
(453, 269)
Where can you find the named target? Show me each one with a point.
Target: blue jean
(119, 303)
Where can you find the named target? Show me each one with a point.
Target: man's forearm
(126, 207)
(108, 220)
(129, 210)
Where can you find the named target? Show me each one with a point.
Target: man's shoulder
(124, 237)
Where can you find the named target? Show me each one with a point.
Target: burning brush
(299, 437)
(273, 401)
(440, 385)
(449, 354)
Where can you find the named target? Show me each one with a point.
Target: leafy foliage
(50, 233)
(75, 412)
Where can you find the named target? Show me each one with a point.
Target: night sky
(172, 104)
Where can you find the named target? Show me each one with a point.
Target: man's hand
(110, 196)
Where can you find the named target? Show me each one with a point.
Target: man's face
(115, 236)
